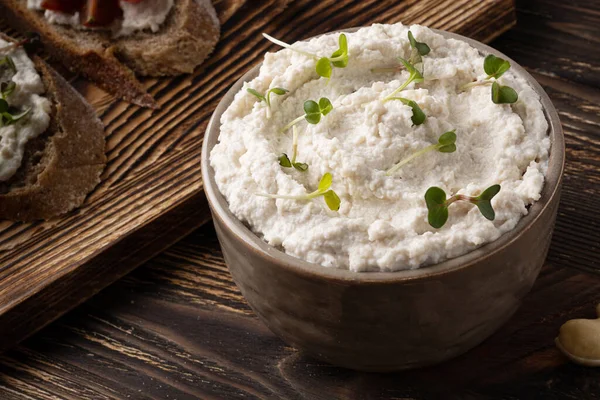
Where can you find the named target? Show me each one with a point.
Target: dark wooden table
(178, 328)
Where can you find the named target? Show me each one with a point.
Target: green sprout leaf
(255, 93)
(331, 198)
(284, 161)
(7, 88)
(267, 97)
(339, 58)
(419, 49)
(437, 214)
(324, 65)
(415, 76)
(8, 62)
(437, 204)
(8, 117)
(484, 202)
(418, 116)
(446, 144)
(12, 118)
(3, 106)
(325, 182)
(302, 167)
(325, 105)
(503, 94)
(495, 66)
(278, 91)
(312, 112)
(324, 68)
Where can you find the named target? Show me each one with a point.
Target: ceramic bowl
(385, 321)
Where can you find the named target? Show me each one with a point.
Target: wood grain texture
(227, 8)
(151, 191)
(178, 328)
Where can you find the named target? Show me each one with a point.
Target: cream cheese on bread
(145, 15)
(27, 95)
(148, 14)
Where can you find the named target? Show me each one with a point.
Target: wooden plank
(227, 8)
(153, 174)
(178, 327)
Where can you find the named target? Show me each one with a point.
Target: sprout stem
(309, 196)
(294, 122)
(460, 197)
(476, 83)
(393, 94)
(294, 144)
(396, 167)
(287, 46)
(384, 70)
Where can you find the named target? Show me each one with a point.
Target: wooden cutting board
(151, 191)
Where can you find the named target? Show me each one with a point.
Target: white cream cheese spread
(145, 15)
(27, 95)
(382, 222)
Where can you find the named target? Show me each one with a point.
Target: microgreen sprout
(267, 97)
(495, 67)
(6, 89)
(415, 76)
(284, 161)
(419, 49)
(312, 112)
(446, 144)
(8, 115)
(324, 65)
(331, 198)
(503, 94)
(9, 63)
(437, 204)
(418, 116)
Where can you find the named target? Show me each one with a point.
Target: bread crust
(187, 37)
(71, 161)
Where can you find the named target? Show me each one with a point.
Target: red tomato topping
(91, 13)
(95, 15)
(64, 6)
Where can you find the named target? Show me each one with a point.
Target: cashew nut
(579, 339)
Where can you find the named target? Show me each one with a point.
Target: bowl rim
(220, 208)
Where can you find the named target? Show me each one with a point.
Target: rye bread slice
(187, 37)
(61, 166)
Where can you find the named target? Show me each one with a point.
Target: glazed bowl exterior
(386, 321)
